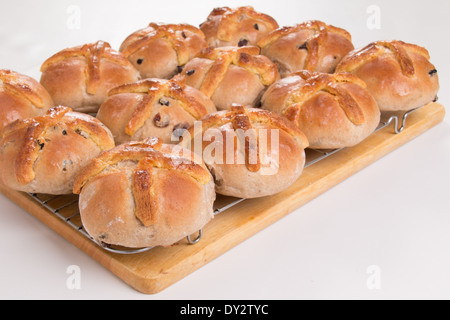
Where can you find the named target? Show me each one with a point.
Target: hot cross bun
(161, 50)
(144, 194)
(43, 154)
(236, 26)
(399, 75)
(250, 152)
(312, 45)
(21, 97)
(230, 75)
(333, 110)
(80, 77)
(153, 108)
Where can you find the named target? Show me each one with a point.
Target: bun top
(399, 75)
(150, 48)
(155, 90)
(333, 110)
(93, 53)
(315, 83)
(148, 154)
(236, 26)
(312, 45)
(26, 87)
(32, 133)
(243, 118)
(320, 31)
(245, 57)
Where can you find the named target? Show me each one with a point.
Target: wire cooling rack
(66, 208)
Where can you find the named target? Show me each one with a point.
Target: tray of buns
(159, 156)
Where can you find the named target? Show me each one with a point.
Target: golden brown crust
(312, 46)
(108, 210)
(214, 68)
(373, 50)
(24, 86)
(151, 151)
(333, 110)
(399, 75)
(26, 142)
(80, 77)
(21, 97)
(152, 107)
(142, 180)
(243, 117)
(156, 90)
(171, 32)
(267, 167)
(317, 82)
(146, 52)
(161, 194)
(236, 26)
(35, 132)
(242, 122)
(321, 32)
(93, 53)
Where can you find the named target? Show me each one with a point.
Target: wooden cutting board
(154, 270)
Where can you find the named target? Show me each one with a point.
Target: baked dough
(161, 50)
(153, 108)
(230, 75)
(43, 154)
(333, 110)
(239, 26)
(399, 75)
(250, 152)
(144, 194)
(80, 77)
(21, 97)
(312, 45)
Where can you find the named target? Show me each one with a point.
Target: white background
(394, 215)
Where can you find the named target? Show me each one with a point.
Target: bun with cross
(333, 110)
(399, 75)
(250, 152)
(230, 75)
(312, 46)
(239, 26)
(161, 50)
(80, 77)
(44, 153)
(144, 194)
(153, 108)
(21, 97)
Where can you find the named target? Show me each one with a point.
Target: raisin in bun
(399, 75)
(43, 154)
(21, 97)
(236, 26)
(230, 75)
(161, 50)
(312, 45)
(144, 194)
(80, 77)
(333, 110)
(250, 152)
(153, 108)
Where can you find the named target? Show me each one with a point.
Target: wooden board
(154, 270)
